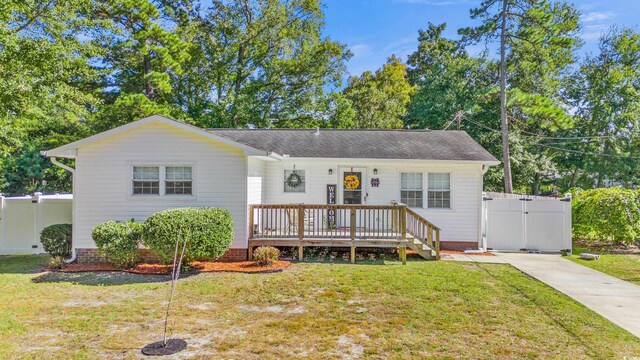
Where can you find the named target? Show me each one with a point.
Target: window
(178, 180)
(411, 189)
(439, 192)
(146, 180)
(294, 181)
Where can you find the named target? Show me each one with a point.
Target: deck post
(403, 223)
(251, 222)
(300, 252)
(300, 222)
(353, 254)
(394, 218)
(403, 255)
(250, 255)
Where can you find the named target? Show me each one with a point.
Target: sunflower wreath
(351, 182)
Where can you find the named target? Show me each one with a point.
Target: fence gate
(516, 222)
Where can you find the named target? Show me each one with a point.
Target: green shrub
(607, 215)
(118, 242)
(266, 255)
(56, 240)
(56, 262)
(208, 232)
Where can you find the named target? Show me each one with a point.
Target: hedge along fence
(207, 231)
(118, 242)
(611, 214)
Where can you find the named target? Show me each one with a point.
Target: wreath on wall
(294, 180)
(351, 182)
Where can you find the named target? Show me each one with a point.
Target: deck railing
(347, 222)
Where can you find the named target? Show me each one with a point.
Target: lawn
(314, 310)
(622, 266)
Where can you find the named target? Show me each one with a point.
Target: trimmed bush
(208, 232)
(118, 242)
(56, 262)
(266, 255)
(611, 214)
(56, 240)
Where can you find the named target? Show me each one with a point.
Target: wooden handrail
(322, 221)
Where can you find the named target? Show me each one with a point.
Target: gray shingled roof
(362, 144)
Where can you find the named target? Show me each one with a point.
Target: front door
(352, 182)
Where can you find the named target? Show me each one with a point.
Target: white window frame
(283, 179)
(133, 180)
(165, 180)
(422, 189)
(162, 175)
(426, 200)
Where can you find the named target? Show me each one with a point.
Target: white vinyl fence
(518, 222)
(23, 218)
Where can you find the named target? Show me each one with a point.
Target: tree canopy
(69, 69)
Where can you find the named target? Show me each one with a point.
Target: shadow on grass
(549, 313)
(23, 264)
(104, 278)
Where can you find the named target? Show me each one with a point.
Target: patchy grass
(622, 266)
(315, 310)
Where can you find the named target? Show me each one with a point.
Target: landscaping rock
(587, 256)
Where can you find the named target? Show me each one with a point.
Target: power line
(588, 153)
(522, 132)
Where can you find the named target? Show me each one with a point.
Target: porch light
(375, 171)
(330, 171)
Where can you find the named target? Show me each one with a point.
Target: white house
(347, 180)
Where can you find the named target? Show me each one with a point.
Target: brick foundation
(458, 245)
(92, 256)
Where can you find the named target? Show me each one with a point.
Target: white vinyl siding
(439, 192)
(411, 191)
(102, 185)
(458, 223)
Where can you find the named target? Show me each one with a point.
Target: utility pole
(508, 186)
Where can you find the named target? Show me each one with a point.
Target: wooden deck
(352, 226)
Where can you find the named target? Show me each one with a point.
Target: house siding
(102, 183)
(461, 223)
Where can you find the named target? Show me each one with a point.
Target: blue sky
(375, 29)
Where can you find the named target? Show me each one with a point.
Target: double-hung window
(439, 191)
(178, 180)
(146, 180)
(411, 190)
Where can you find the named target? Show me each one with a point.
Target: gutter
(74, 252)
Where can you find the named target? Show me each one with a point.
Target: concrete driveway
(614, 299)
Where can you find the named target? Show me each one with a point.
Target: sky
(376, 29)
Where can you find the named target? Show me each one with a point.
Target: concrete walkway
(614, 299)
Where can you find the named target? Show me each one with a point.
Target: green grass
(622, 266)
(313, 310)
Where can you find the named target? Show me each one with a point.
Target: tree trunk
(508, 185)
(574, 177)
(535, 189)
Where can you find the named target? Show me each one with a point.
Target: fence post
(1, 223)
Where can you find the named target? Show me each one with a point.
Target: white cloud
(597, 16)
(361, 50)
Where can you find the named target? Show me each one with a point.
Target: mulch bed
(463, 253)
(161, 269)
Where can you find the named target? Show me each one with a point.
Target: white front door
(353, 185)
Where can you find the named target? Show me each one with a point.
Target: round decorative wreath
(351, 182)
(294, 180)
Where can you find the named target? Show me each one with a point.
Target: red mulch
(463, 253)
(161, 269)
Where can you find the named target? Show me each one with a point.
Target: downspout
(74, 253)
